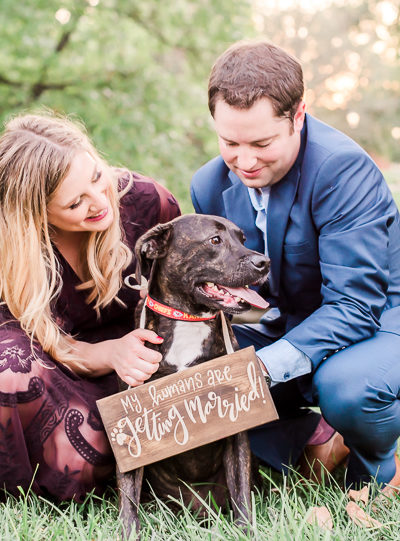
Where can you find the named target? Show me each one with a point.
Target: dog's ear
(152, 245)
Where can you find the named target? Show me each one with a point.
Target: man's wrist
(265, 373)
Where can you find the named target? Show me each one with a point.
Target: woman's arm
(128, 356)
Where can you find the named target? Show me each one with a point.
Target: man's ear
(298, 120)
(150, 246)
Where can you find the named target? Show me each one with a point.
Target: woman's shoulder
(145, 204)
(146, 199)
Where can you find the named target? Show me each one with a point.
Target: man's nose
(246, 159)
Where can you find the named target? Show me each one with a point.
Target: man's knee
(338, 396)
(356, 397)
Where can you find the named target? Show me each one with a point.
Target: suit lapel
(239, 210)
(280, 202)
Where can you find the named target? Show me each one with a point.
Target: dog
(199, 265)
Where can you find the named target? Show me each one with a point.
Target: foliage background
(136, 72)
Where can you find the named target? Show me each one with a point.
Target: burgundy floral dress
(51, 434)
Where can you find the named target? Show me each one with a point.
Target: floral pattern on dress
(16, 358)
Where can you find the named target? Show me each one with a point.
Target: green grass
(278, 513)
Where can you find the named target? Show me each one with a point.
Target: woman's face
(81, 202)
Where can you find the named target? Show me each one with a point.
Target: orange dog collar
(173, 313)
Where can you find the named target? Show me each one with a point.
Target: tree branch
(8, 82)
(64, 40)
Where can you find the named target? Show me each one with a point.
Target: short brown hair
(248, 71)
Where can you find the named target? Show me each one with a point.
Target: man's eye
(265, 145)
(215, 240)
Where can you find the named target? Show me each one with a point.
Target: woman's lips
(99, 216)
(250, 174)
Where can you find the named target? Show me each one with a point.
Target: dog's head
(200, 263)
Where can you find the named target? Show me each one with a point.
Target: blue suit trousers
(358, 392)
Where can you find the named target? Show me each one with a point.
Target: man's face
(255, 144)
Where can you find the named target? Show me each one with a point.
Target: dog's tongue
(248, 295)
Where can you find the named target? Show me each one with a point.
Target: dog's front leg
(237, 463)
(244, 474)
(129, 491)
(230, 471)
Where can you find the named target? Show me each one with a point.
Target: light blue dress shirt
(281, 359)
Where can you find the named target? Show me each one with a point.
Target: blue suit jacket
(333, 234)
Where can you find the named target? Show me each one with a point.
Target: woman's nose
(98, 199)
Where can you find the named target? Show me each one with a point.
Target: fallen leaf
(360, 495)
(321, 516)
(385, 498)
(360, 517)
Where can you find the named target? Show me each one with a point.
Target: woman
(68, 226)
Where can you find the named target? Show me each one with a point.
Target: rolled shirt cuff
(283, 361)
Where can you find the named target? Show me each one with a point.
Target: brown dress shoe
(325, 457)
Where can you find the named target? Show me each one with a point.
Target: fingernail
(160, 338)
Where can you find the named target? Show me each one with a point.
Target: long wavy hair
(36, 151)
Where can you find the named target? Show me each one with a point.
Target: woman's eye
(75, 205)
(97, 176)
(215, 240)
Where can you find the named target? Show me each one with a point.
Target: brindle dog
(198, 264)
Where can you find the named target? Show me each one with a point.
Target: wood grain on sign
(187, 409)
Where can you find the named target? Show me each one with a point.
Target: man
(315, 202)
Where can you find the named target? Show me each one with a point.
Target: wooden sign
(173, 414)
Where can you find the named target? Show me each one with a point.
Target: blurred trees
(350, 52)
(136, 72)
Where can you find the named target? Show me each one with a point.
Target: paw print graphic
(118, 436)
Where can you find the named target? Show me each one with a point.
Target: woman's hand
(132, 360)
(128, 356)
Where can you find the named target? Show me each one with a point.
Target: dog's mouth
(233, 298)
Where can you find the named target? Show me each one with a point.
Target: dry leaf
(385, 498)
(321, 516)
(360, 517)
(360, 495)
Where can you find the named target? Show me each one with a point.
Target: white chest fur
(187, 342)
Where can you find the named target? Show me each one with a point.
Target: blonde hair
(36, 151)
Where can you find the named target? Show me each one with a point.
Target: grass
(278, 513)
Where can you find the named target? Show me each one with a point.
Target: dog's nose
(260, 262)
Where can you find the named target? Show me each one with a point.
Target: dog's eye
(215, 240)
